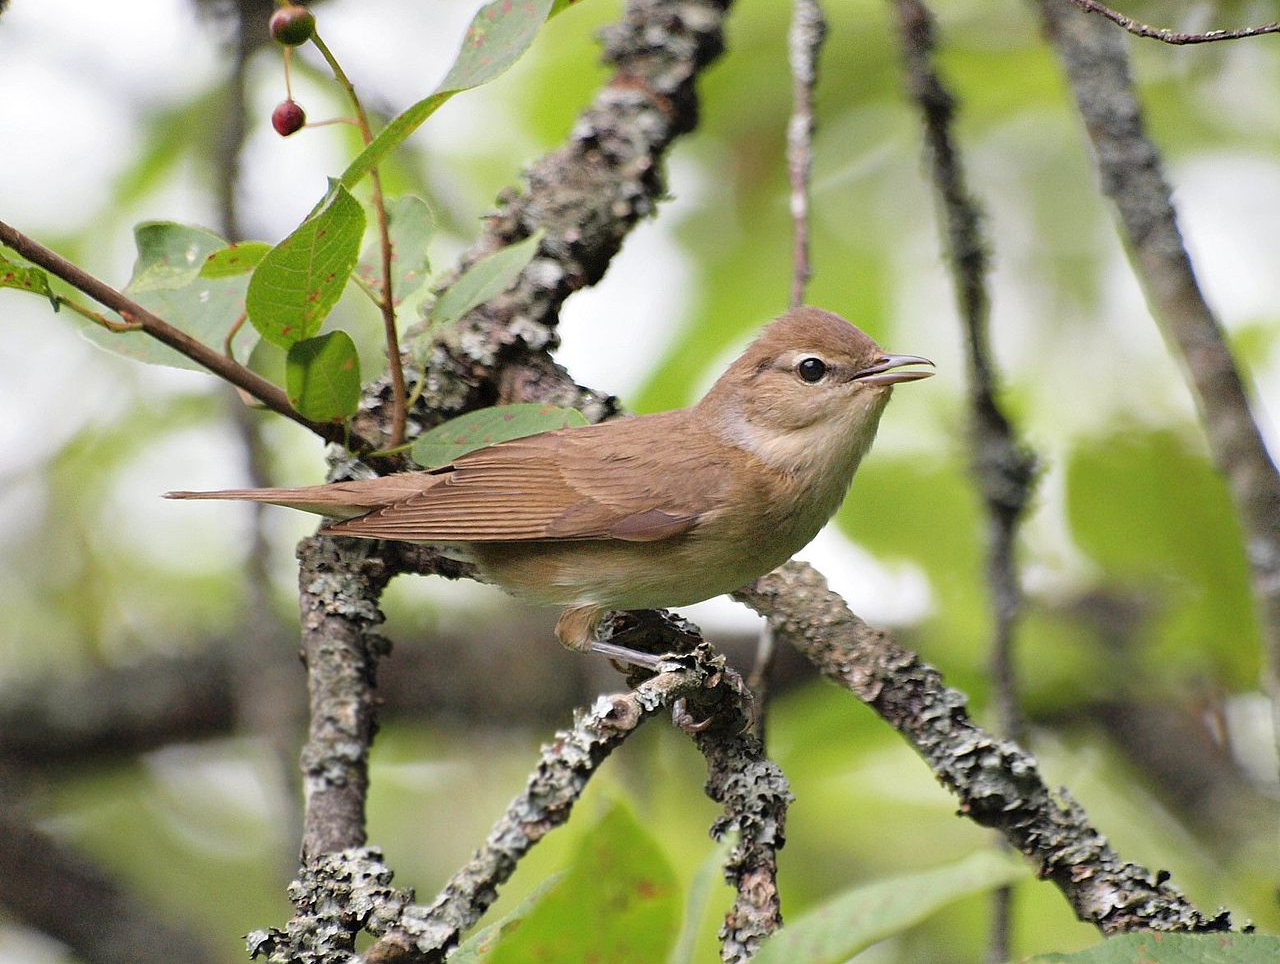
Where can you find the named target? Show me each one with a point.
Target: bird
(648, 511)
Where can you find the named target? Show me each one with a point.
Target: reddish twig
(386, 302)
(1173, 36)
(135, 315)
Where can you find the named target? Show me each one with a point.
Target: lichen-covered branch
(340, 581)
(585, 197)
(423, 933)
(1004, 469)
(997, 783)
(750, 787)
(1133, 179)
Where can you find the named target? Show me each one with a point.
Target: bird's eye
(811, 369)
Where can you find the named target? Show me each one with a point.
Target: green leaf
(1150, 509)
(851, 922)
(170, 256)
(1153, 947)
(167, 281)
(487, 278)
(322, 377)
(499, 33)
(488, 426)
(477, 948)
(619, 902)
(300, 280)
(25, 277)
(234, 259)
(710, 873)
(410, 226)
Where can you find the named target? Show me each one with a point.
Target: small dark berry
(292, 25)
(288, 118)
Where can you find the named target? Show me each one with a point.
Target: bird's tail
(338, 500)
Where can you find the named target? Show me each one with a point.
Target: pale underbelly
(623, 575)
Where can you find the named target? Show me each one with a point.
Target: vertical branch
(339, 585)
(1003, 469)
(1132, 177)
(804, 42)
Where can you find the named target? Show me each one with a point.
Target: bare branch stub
(997, 783)
(1133, 179)
(1172, 36)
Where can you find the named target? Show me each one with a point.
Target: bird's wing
(597, 482)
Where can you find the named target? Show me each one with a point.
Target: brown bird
(653, 511)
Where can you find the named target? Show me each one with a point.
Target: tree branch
(1133, 178)
(339, 582)
(1003, 468)
(804, 42)
(410, 932)
(997, 782)
(225, 368)
(585, 197)
(1172, 36)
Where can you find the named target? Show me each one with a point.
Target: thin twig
(804, 43)
(97, 317)
(997, 782)
(1003, 468)
(386, 301)
(133, 313)
(1173, 36)
(1132, 177)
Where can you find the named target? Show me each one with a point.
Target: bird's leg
(622, 654)
(576, 630)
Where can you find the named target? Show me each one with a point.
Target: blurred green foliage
(1134, 568)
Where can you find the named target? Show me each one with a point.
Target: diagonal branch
(345, 891)
(997, 782)
(224, 367)
(1133, 178)
(1173, 36)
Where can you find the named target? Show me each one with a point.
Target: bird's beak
(881, 372)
